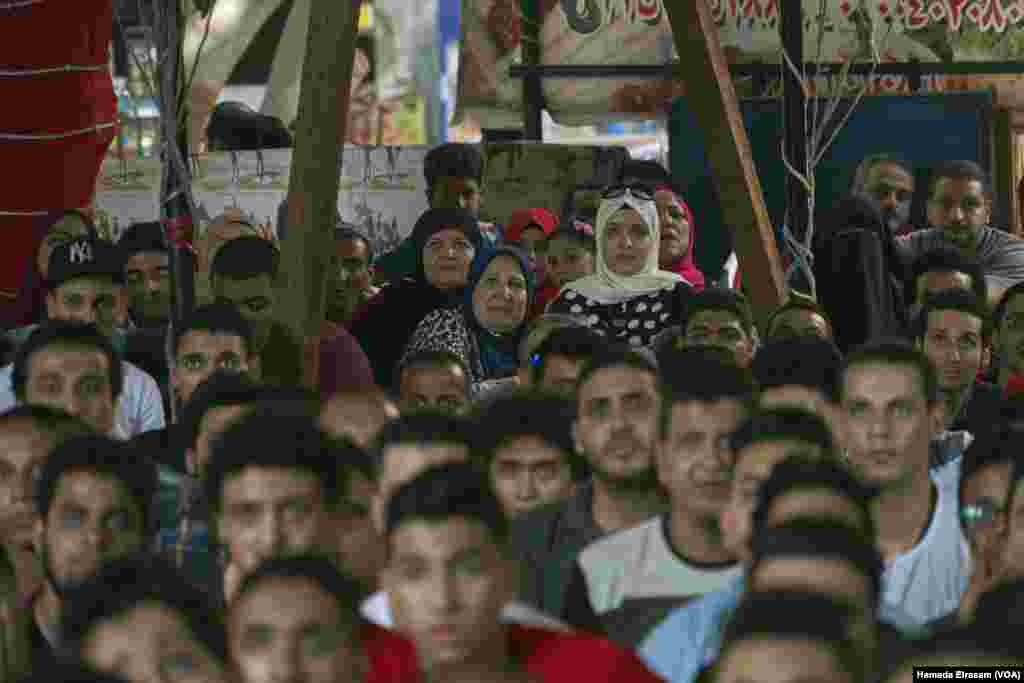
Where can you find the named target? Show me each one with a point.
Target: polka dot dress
(636, 321)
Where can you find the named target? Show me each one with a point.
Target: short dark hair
(796, 304)
(618, 356)
(221, 388)
(577, 343)
(894, 352)
(347, 232)
(728, 300)
(953, 300)
(457, 489)
(423, 427)
(452, 159)
(810, 362)
(431, 359)
(272, 436)
(215, 318)
(547, 323)
(958, 169)
(784, 424)
(147, 236)
(700, 373)
(246, 257)
(526, 413)
(46, 419)
(947, 260)
(127, 583)
(823, 539)
(71, 334)
(105, 457)
(804, 474)
(1004, 302)
(320, 571)
(795, 615)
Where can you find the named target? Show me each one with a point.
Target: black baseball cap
(84, 257)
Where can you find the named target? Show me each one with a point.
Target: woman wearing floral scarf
(629, 298)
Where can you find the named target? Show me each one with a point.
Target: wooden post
(315, 175)
(712, 97)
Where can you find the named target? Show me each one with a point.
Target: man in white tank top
(891, 407)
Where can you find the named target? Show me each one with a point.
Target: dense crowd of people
(547, 449)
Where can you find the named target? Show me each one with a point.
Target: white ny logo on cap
(81, 252)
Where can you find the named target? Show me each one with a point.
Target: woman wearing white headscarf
(628, 298)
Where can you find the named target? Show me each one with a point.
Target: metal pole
(176, 207)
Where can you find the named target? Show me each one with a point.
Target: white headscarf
(606, 287)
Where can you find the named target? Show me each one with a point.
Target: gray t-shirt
(1000, 254)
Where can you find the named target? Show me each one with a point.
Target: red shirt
(559, 657)
(392, 657)
(549, 656)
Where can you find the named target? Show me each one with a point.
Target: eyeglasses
(639, 191)
(980, 512)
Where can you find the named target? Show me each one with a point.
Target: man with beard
(27, 435)
(953, 331)
(354, 284)
(959, 211)
(1008, 337)
(615, 431)
(147, 274)
(93, 497)
(888, 181)
(636, 576)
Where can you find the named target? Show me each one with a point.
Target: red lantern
(57, 119)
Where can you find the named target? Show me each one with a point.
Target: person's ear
(51, 305)
(937, 416)
(377, 511)
(38, 536)
(986, 357)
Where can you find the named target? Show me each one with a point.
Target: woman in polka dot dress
(628, 298)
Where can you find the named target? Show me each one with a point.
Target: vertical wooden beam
(314, 182)
(712, 98)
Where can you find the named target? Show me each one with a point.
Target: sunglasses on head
(644, 192)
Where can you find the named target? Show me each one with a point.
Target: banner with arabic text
(604, 32)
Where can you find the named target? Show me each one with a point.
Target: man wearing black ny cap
(83, 281)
